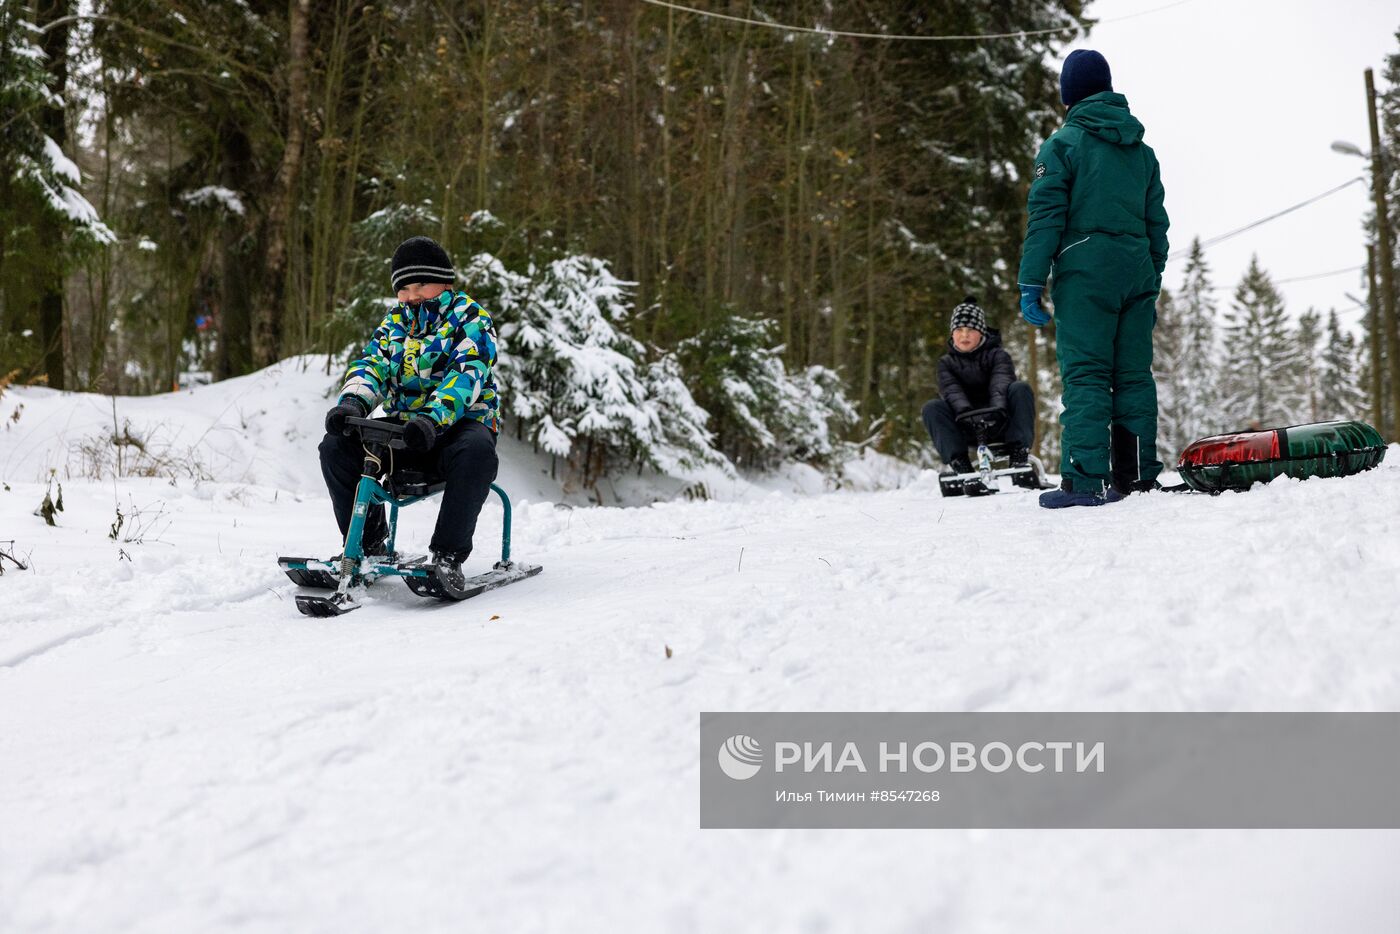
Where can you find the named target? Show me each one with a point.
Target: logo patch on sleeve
(1040, 170)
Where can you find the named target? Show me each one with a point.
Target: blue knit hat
(1085, 73)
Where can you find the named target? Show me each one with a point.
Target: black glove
(420, 434)
(349, 407)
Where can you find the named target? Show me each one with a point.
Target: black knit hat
(1084, 74)
(969, 315)
(423, 261)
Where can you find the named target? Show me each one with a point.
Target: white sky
(1242, 100)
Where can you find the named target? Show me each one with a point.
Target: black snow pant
(952, 442)
(464, 456)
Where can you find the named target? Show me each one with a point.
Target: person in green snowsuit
(1096, 217)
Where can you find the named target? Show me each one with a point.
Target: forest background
(705, 242)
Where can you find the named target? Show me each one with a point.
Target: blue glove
(1030, 305)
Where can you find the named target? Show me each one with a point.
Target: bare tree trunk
(1373, 326)
(483, 131)
(789, 276)
(633, 167)
(269, 313)
(867, 379)
(237, 270)
(50, 227)
(733, 141)
(102, 296)
(9, 316)
(663, 253)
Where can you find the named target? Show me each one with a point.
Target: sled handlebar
(374, 431)
(985, 422)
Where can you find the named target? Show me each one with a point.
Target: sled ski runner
(420, 574)
(426, 579)
(986, 423)
(350, 572)
(984, 483)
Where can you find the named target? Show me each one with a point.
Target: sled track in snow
(49, 645)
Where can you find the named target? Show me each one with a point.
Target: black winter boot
(448, 567)
(959, 465)
(1020, 456)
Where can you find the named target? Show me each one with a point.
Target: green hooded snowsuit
(1096, 217)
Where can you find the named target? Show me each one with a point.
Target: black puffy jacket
(978, 378)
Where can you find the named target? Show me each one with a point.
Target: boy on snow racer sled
(429, 362)
(977, 383)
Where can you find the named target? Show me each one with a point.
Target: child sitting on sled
(978, 373)
(430, 363)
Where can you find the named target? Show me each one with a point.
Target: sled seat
(405, 483)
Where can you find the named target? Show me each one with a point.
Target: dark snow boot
(959, 465)
(1020, 455)
(1065, 497)
(1116, 493)
(448, 569)
(440, 577)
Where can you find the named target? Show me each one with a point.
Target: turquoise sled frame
(372, 493)
(354, 567)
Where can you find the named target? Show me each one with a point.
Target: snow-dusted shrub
(46, 225)
(373, 242)
(765, 414)
(582, 387)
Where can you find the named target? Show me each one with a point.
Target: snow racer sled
(1238, 461)
(353, 569)
(993, 460)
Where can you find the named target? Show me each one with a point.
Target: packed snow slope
(180, 751)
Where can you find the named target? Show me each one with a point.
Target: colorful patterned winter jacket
(434, 360)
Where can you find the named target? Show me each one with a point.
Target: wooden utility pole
(1386, 260)
(1373, 335)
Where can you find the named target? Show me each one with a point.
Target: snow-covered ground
(181, 751)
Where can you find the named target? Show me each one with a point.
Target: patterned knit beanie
(421, 260)
(969, 315)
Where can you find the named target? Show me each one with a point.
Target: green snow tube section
(1322, 449)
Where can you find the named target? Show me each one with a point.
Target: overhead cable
(888, 37)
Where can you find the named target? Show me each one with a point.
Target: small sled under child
(993, 460)
(350, 571)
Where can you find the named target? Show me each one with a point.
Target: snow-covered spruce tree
(582, 388)
(1307, 335)
(1339, 390)
(372, 248)
(1262, 382)
(1171, 365)
(765, 414)
(45, 221)
(1201, 410)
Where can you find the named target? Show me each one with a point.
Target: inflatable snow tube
(1322, 449)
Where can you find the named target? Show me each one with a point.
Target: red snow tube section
(1321, 449)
